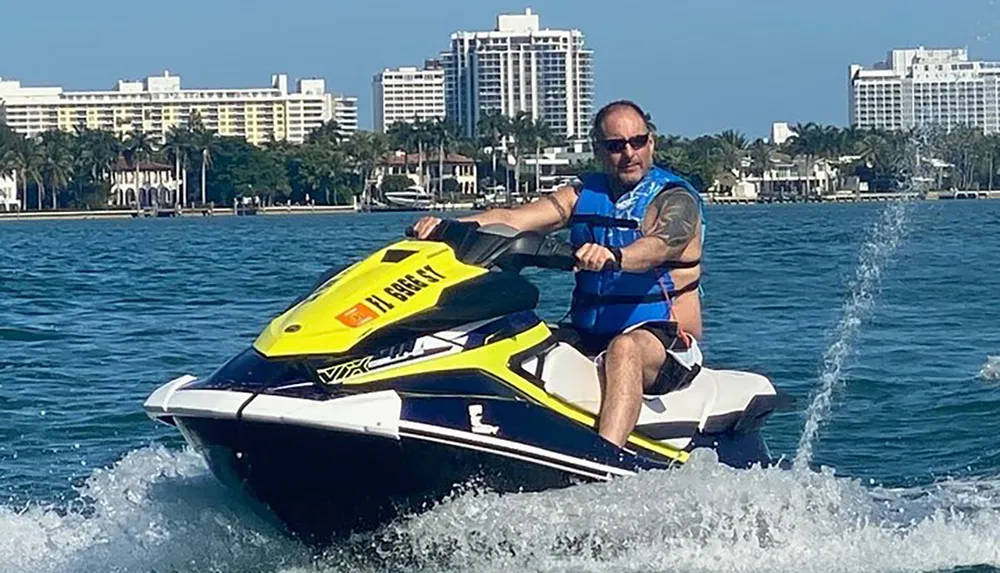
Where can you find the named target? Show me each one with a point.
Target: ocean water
(878, 318)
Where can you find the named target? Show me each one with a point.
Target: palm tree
(521, 128)
(177, 143)
(203, 147)
(444, 134)
(808, 140)
(366, 149)
(493, 128)
(884, 153)
(672, 152)
(402, 136)
(538, 135)
(732, 148)
(423, 136)
(992, 145)
(206, 162)
(139, 147)
(96, 154)
(330, 133)
(760, 157)
(57, 162)
(733, 138)
(7, 137)
(202, 142)
(24, 156)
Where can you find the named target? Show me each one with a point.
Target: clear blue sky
(699, 66)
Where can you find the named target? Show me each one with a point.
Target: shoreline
(286, 210)
(200, 212)
(858, 197)
(169, 213)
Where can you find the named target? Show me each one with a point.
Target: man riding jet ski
(424, 367)
(647, 225)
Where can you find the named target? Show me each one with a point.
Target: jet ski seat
(714, 401)
(567, 333)
(564, 332)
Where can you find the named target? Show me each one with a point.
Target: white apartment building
(521, 67)
(408, 94)
(345, 113)
(158, 103)
(924, 87)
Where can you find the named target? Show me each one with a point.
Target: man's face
(625, 146)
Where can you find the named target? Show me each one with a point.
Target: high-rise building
(923, 87)
(158, 103)
(520, 67)
(408, 94)
(345, 113)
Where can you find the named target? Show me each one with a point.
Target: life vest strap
(584, 299)
(680, 264)
(604, 221)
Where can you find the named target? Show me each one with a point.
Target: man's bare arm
(549, 213)
(673, 222)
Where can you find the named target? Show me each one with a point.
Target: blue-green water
(901, 326)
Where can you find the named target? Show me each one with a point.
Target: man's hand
(593, 257)
(425, 226)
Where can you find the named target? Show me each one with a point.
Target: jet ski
(424, 369)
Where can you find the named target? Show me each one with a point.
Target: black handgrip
(435, 233)
(557, 254)
(563, 256)
(611, 265)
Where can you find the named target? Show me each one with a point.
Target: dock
(854, 197)
(171, 212)
(238, 211)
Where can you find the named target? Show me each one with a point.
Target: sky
(698, 66)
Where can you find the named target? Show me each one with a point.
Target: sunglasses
(617, 145)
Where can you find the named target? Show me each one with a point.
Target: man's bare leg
(632, 362)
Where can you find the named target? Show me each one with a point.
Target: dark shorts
(673, 374)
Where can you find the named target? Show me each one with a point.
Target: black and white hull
(329, 465)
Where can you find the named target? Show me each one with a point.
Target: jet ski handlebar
(505, 247)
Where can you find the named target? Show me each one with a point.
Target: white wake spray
(883, 239)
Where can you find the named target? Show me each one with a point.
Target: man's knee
(623, 347)
(638, 348)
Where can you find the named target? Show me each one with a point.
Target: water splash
(155, 510)
(990, 371)
(159, 510)
(702, 517)
(883, 239)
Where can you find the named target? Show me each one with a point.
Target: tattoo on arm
(675, 219)
(563, 215)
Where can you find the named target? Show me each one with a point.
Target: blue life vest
(608, 302)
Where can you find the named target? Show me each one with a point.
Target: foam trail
(990, 371)
(703, 517)
(883, 239)
(160, 510)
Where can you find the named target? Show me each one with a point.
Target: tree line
(962, 157)
(59, 169)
